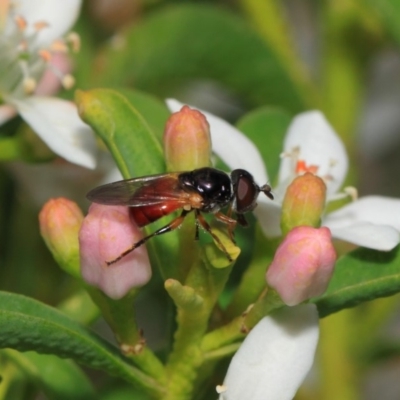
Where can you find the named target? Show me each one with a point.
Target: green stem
(222, 352)
(189, 248)
(253, 281)
(240, 326)
(194, 301)
(119, 314)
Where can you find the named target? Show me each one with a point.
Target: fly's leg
(174, 224)
(226, 219)
(196, 235)
(204, 224)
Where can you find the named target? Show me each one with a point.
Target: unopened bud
(60, 220)
(304, 202)
(187, 140)
(107, 231)
(303, 264)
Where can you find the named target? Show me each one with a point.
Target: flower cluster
(311, 144)
(267, 364)
(278, 352)
(33, 64)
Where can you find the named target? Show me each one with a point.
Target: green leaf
(199, 41)
(153, 110)
(267, 128)
(26, 324)
(58, 379)
(134, 146)
(360, 276)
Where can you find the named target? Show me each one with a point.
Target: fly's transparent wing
(136, 192)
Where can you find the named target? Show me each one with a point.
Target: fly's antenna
(267, 190)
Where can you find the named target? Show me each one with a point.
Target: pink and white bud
(303, 264)
(107, 231)
(187, 140)
(60, 220)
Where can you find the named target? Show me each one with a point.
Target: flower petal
(275, 357)
(371, 221)
(57, 122)
(234, 148)
(377, 237)
(319, 145)
(60, 15)
(375, 209)
(268, 214)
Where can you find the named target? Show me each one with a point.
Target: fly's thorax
(214, 187)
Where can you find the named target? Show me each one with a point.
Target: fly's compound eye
(245, 190)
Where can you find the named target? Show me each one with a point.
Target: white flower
(30, 35)
(310, 144)
(274, 358)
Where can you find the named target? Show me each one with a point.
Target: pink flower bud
(60, 220)
(302, 265)
(304, 202)
(106, 232)
(187, 140)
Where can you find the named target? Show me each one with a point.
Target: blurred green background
(230, 57)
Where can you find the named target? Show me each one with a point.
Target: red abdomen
(144, 215)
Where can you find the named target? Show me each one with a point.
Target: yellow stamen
(74, 40)
(293, 154)
(352, 192)
(68, 81)
(29, 85)
(221, 389)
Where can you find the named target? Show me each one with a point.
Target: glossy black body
(214, 186)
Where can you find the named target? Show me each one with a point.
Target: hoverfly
(204, 190)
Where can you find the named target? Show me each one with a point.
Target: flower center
(23, 61)
(300, 166)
